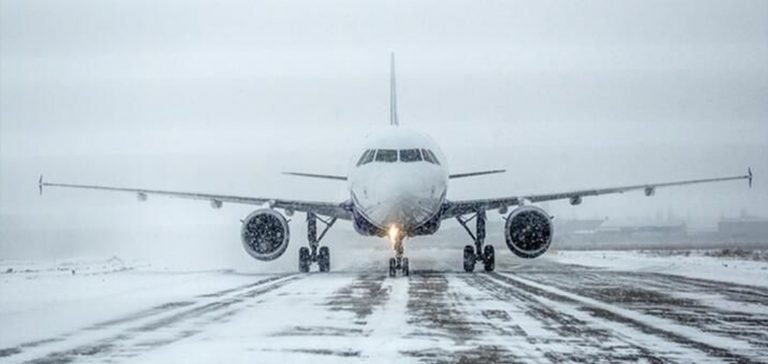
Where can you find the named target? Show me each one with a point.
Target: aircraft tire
(304, 259)
(489, 258)
(324, 259)
(392, 267)
(469, 259)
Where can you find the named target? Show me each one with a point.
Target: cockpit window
(362, 158)
(367, 157)
(391, 156)
(386, 155)
(410, 155)
(429, 156)
(434, 157)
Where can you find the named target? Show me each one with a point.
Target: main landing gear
(478, 253)
(399, 262)
(315, 252)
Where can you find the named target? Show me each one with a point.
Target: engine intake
(265, 234)
(528, 231)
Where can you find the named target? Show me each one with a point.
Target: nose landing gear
(315, 253)
(399, 262)
(478, 253)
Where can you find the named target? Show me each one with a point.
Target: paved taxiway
(541, 311)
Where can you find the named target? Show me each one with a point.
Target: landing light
(393, 233)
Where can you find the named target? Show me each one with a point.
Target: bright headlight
(393, 233)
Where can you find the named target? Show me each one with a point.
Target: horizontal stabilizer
(324, 176)
(473, 174)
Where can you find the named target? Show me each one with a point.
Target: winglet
(40, 184)
(393, 120)
(749, 176)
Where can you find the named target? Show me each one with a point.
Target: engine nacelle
(528, 231)
(265, 234)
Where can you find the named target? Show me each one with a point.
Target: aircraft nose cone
(406, 204)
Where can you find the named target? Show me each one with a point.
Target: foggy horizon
(222, 98)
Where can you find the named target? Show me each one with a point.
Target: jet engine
(528, 231)
(265, 234)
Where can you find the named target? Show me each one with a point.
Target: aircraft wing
(314, 175)
(456, 208)
(473, 174)
(337, 210)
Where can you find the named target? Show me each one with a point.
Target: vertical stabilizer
(393, 120)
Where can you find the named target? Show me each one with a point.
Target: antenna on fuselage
(393, 120)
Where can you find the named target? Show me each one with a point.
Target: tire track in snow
(712, 346)
(361, 297)
(126, 319)
(685, 301)
(559, 334)
(102, 339)
(437, 315)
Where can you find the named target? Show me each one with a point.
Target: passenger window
(410, 155)
(386, 155)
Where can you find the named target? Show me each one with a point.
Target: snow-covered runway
(544, 311)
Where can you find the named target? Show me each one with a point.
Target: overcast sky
(222, 96)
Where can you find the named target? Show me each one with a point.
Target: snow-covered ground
(563, 307)
(696, 264)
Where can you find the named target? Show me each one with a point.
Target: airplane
(397, 189)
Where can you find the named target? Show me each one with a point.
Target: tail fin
(393, 120)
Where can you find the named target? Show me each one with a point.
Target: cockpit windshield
(410, 155)
(429, 156)
(367, 157)
(391, 156)
(386, 155)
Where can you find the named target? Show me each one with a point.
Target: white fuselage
(404, 190)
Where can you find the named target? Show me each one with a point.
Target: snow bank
(696, 264)
(83, 266)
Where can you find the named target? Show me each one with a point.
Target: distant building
(565, 227)
(744, 228)
(656, 232)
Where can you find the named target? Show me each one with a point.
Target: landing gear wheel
(469, 259)
(304, 260)
(324, 259)
(392, 267)
(489, 258)
(405, 267)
